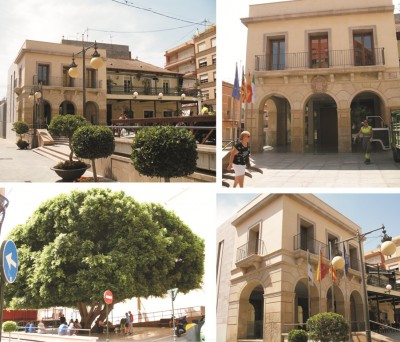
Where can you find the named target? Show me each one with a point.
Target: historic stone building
(320, 67)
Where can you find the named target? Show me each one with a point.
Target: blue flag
(346, 259)
(236, 89)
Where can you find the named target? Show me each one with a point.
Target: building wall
(230, 114)
(296, 21)
(281, 267)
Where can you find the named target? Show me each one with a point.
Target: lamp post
(96, 62)
(173, 293)
(36, 96)
(387, 248)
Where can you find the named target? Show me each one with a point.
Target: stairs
(57, 152)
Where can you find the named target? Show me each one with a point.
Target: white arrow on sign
(10, 261)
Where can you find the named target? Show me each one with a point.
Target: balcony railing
(379, 277)
(307, 60)
(67, 82)
(313, 246)
(253, 247)
(124, 90)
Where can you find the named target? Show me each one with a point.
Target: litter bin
(192, 332)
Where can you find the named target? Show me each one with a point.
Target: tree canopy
(77, 245)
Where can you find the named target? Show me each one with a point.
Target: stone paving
(329, 170)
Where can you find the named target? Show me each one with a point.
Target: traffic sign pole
(108, 298)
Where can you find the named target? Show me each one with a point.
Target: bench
(23, 336)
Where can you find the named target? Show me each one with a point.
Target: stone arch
(251, 312)
(306, 302)
(92, 112)
(356, 311)
(274, 122)
(67, 107)
(336, 302)
(46, 115)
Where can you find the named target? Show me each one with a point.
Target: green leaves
(77, 245)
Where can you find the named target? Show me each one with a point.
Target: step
(54, 152)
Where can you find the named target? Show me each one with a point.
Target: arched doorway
(356, 312)
(321, 124)
(46, 114)
(337, 299)
(66, 107)
(306, 302)
(276, 122)
(92, 112)
(366, 104)
(251, 313)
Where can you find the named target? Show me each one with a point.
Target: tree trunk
(70, 149)
(96, 310)
(167, 179)
(94, 170)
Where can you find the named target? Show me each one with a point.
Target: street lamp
(36, 96)
(173, 293)
(387, 248)
(388, 288)
(96, 62)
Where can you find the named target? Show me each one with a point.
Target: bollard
(192, 332)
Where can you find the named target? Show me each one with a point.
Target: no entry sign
(108, 297)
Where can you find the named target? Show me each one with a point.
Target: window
(201, 47)
(213, 42)
(168, 113)
(363, 49)
(254, 240)
(165, 87)
(43, 74)
(306, 239)
(204, 78)
(148, 114)
(91, 78)
(127, 86)
(202, 63)
(214, 59)
(353, 258)
(68, 81)
(277, 54)
(319, 51)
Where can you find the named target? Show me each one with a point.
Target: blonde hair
(243, 134)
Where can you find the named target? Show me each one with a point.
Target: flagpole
(320, 280)
(345, 288)
(331, 272)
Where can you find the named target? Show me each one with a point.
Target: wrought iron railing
(116, 89)
(66, 82)
(300, 241)
(307, 60)
(252, 247)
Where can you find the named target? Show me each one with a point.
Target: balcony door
(319, 51)
(277, 54)
(363, 49)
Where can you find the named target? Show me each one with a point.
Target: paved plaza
(325, 170)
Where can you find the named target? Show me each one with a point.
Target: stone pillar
(252, 124)
(344, 130)
(297, 131)
(232, 323)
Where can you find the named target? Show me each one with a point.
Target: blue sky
(367, 210)
(102, 20)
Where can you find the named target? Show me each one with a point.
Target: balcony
(126, 90)
(66, 82)
(378, 277)
(329, 59)
(251, 253)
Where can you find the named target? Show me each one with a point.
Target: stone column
(344, 130)
(297, 131)
(252, 124)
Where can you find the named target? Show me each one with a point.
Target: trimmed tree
(9, 326)
(66, 125)
(93, 142)
(164, 151)
(21, 127)
(77, 245)
(328, 327)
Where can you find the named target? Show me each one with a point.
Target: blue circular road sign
(10, 261)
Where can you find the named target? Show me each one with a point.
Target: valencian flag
(249, 89)
(346, 259)
(332, 271)
(236, 89)
(321, 271)
(243, 89)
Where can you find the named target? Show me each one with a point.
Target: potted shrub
(328, 327)
(297, 335)
(164, 151)
(9, 326)
(66, 125)
(21, 127)
(93, 142)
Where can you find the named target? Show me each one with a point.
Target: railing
(120, 89)
(67, 82)
(307, 60)
(300, 241)
(253, 247)
(202, 126)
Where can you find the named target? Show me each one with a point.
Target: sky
(148, 27)
(232, 35)
(368, 210)
(188, 203)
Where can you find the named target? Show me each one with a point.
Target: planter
(70, 175)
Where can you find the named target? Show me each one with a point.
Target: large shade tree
(77, 245)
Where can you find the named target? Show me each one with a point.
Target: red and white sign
(108, 297)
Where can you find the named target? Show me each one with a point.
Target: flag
(309, 269)
(253, 90)
(236, 89)
(321, 271)
(332, 271)
(249, 90)
(243, 88)
(346, 259)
